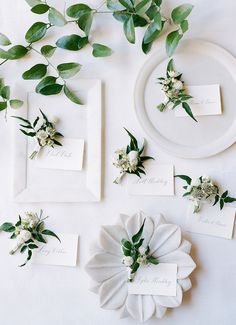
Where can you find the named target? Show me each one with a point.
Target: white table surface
(48, 295)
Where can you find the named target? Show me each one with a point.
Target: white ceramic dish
(202, 63)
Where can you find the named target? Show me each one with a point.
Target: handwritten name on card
(158, 181)
(212, 221)
(67, 157)
(206, 101)
(157, 280)
(56, 253)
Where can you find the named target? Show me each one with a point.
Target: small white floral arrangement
(136, 255)
(130, 159)
(204, 190)
(175, 93)
(27, 231)
(42, 130)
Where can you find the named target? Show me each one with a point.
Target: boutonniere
(136, 255)
(204, 190)
(42, 130)
(130, 159)
(175, 93)
(27, 231)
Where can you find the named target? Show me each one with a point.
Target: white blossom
(128, 260)
(142, 250)
(133, 157)
(178, 85)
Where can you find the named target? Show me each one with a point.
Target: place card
(69, 156)
(56, 253)
(212, 221)
(158, 181)
(206, 101)
(156, 280)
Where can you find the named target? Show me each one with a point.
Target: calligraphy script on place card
(212, 221)
(206, 101)
(156, 280)
(56, 253)
(159, 180)
(67, 157)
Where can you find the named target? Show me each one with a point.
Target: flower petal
(166, 238)
(185, 284)
(134, 223)
(184, 261)
(123, 219)
(171, 302)
(110, 239)
(103, 266)
(185, 246)
(140, 307)
(160, 310)
(113, 292)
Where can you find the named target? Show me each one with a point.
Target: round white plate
(202, 63)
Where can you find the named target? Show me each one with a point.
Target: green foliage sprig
(28, 231)
(6, 100)
(42, 130)
(174, 90)
(203, 189)
(136, 255)
(130, 160)
(131, 13)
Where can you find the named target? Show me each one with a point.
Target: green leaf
(170, 66)
(224, 194)
(4, 40)
(121, 16)
(16, 103)
(4, 55)
(127, 3)
(5, 92)
(135, 267)
(133, 139)
(172, 42)
(184, 26)
(85, 22)
(152, 33)
(158, 2)
(36, 32)
(29, 134)
(7, 227)
(51, 89)
(56, 18)
(138, 235)
(48, 50)
(72, 42)
(139, 21)
(50, 233)
(3, 105)
(126, 243)
(49, 80)
(39, 238)
(68, 70)
(78, 10)
(129, 30)
(221, 204)
(23, 249)
(180, 13)
(152, 260)
(158, 21)
(38, 71)
(146, 47)
(17, 52)
(152, 11)
(188, 110)
(100, 50)
(72, 96)
(33, 3)
(143, 6)
(216, 199)
(33, 246)
(186, 178)
(40, 9)
(114, 5)
(229, 199)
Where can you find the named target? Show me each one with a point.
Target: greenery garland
(131, 13)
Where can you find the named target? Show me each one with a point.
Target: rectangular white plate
(77, 122)
(212, 221)
(206, 101)
(56, 253)
(154, 280)
(158, 181)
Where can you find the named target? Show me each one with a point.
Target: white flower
(196, 182)
(170, 105)
(164, 88)
(142, 260)
(133, 157)
(43, 142)
(178, 85)
(50, 131)
(41, 135)
(173, 74)
(189, 188)
(24, 236)
(206, 179)
(50, 142)
(142, 250)
(54, 119)
(128, 260)
(30, 220)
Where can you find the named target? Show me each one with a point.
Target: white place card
(212, 221)
(158, 181)
(67, 157)
(206, 101)
(56, 253)
(156, 280)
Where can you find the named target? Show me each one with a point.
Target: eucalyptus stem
(3, 61)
